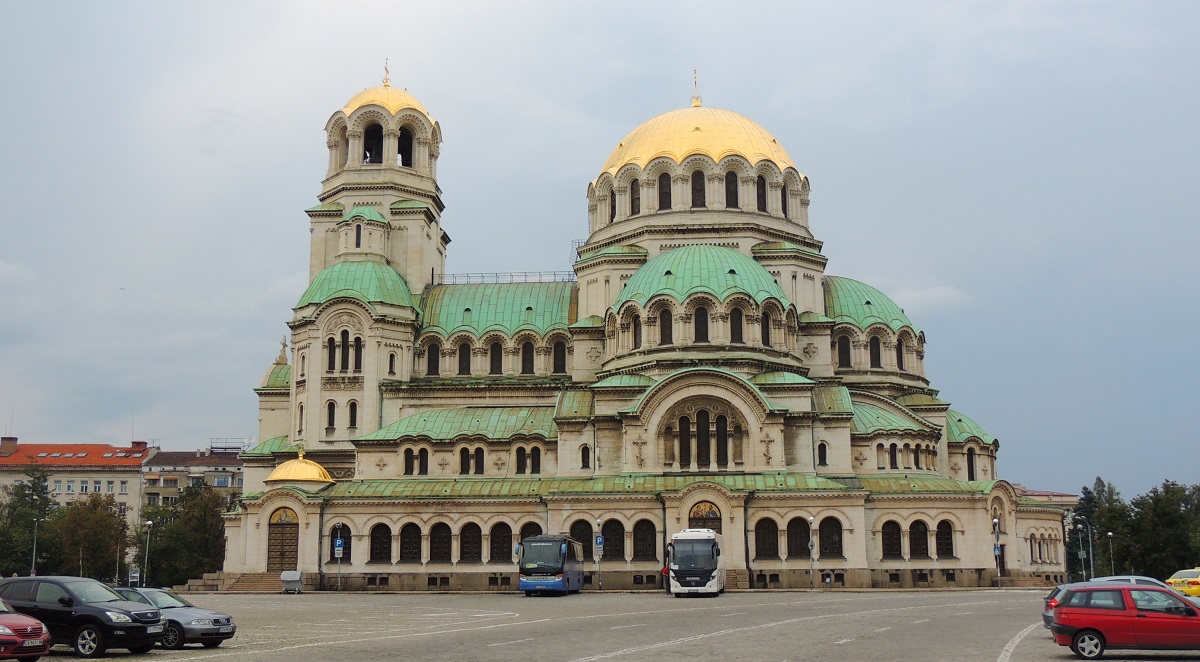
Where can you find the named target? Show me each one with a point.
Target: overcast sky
(1019, 176)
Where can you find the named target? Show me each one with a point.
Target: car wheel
(89, 641)
(172, 636)
(1088, 644)
(212, 644)
(141, 650)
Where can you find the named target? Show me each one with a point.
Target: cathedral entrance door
(283, 537)
(705, 515)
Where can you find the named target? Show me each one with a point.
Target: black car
(88, 615)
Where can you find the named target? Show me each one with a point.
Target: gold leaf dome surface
(300, 470)
(391, 98)
(714, 132)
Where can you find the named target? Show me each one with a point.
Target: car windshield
(166, 599)
(4, 608)
(93, 592)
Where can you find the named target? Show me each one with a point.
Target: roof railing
(510, 277)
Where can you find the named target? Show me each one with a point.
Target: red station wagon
(1093, 617)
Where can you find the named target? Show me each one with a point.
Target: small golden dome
(714, 132)
(391, 98)
(300, 470)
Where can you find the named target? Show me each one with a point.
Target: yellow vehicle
(1186, 582)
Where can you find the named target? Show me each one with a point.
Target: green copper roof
(926, 484)
(574, 404)
(455, 422)
(614, 251)
(809, 317)
(505, 307)
(778, 378)
(369, 213)
(869, 418)
(408, 204)
(327, 206)
(589, 322)
(280, 376)
(960, 428)
(920, 400)
(832, 400)
(369, 282)
(727, 373)
(271, 446)
(715, 270)
(625, 381)
(768, 247)
(860, 304)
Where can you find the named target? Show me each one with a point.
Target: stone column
(354, 153)
(715, 194)
(391, 148)
(486, 543)
(424, 548)
(681, 193)
(622, 193)
(747, 193)
(774, 191)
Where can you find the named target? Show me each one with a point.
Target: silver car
(185, 623)
(1149, 581)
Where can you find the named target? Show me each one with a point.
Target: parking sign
(338, 544)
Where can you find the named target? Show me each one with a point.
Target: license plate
(227, 628)
(154, 628)
(32, 642)
(693, 590)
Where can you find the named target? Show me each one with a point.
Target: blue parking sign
(338, 543)
(599, 541)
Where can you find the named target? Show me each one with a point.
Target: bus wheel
(529, 594)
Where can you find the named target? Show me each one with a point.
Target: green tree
(20, 505)
(1111, 514)
(91, 537)
(1162, 530)
(187, 538)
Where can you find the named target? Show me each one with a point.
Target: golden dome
(391, 98)
(714, 132)
(300, 470)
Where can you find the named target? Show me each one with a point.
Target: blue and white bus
(550, 563)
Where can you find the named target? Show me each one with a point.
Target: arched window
(916, 457)
(783, 202)
(894, 456)
(585, 458)
(433, 363)
(731, 190)
(501, 544)
(766, 540)
(410, 462)
(798, 537)
(358, 354)
(900, 355)
(685, 442)
(495, 359)
(410, 544)
(423, 462)
(843, 348)
(358, 235)
(664, 192)
(636, 324)
(404, 148)
(613, 531)
(381, 544)
(581, 530)
(945, 539)
(479, 461)
(703, 450)
(521, 461)
(440, 538)
(761, 191)
(535, 461)
(300, 421)
(531, 529)
(464, 359)
(822, 455)
(391, 364)
(664, 327)
(353, 415)
(697, 189)
(722, 442)
(464, 461)
(331, 349)
(612, 205)
(635, 198)
(735, 326)
(830, 533)
(644, 541)
(527, 358)
(970, 464)
(765, 328)
(560, 358)
(891, 540)
(373, 144)
(345, 350)
(701, 324)
(470, 544)
(918, 540)
(876, 355)
(330, 415)
(341, 531)
(303, 361)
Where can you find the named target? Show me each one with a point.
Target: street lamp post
(1112, 564)
(812, 555)
(1091, 551)
(33, 562)
(146, 562)
(996, 546)
(599, 553)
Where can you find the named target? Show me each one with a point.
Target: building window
(70, 487)
(664, 192)
(527, 358)
(439, 543)
(58, 486)
(479, 461)
(664, 327)
(358, 353)
(410, 543)
(221, 481)
(945, 539)
(798, 537)
(330, 415)
(635, 198)
(585, 458)
(830, 533)
(636, 324)
(331, 351)
(433, 365)
(530, 530)
(501, 544)
(464, 461)
(167, 482)
(520, 461)
(722, 442)
(843, 349)
(581, 530)
(110, 486)
(918, 540)
(876, 354)
(353, 414)
(700, 318)
(644, 541)
(685, 442)
(496, 359)
(560, 358)
(894, 456)
(423, 462)
(404, 148)
(703, 451)
(83, 487)
(300, 421)
(900, 355)
(970, 464)
(345, 350)
(761, 191)
(358, 235)
(822, 455)
(783, 202)
(731, 190)
(470, 540)
(410, 462)
(535, 460)
(697, 189)
(891, 540)
(343, 532)
(766, 539)
(765, 327)
(373, 144)
(96, 486)
(615, 531)
(151, 499)
(391, 364)
(464, 359)
(612, 205)
(381, 544)
(735, 326)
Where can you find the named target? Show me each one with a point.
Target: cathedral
(698, 369)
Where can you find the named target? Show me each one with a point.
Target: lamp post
(146, 562)
(812, 555)
(996, 546)
(33, 562)
(599, 553)
(1112, 564)
(1091, 556)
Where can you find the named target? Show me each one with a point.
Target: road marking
(923, 620)
(883, 629)
(505, 643)
(1006, 654)
(843, 641)
(738, 613)
(636, 625)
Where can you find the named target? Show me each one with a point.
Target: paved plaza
(925, 626)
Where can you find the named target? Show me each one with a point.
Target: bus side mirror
(563, 550)
(716, 551)
(670, 548)
(517, 549)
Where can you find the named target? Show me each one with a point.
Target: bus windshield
(543, 554)
(694, 554)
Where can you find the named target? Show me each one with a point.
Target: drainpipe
(320, 550)
(746, 534)
(659, 496)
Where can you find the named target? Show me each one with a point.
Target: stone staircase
(737, 579)
(233, 582)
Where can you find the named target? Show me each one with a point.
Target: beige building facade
(699, 369)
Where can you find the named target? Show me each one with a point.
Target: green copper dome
(684, 271)
(369, 282)
(848, 300)
(960, 427)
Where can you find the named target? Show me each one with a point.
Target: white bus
(695, 563)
